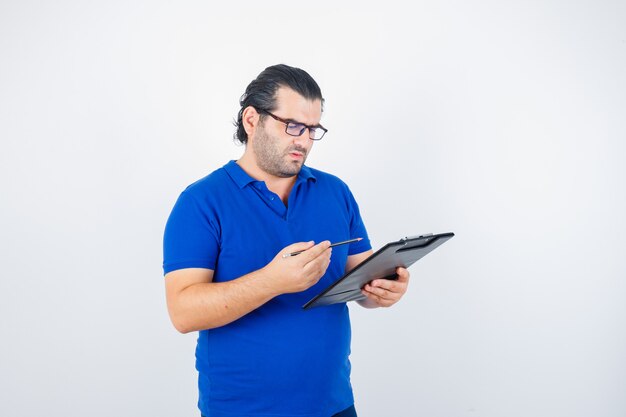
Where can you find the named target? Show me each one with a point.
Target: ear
(250, 120)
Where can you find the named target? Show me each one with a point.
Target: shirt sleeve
(191, 239)
(357, 228)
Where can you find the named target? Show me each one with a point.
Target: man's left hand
(386, 292)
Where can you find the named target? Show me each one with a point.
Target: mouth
(296, 155)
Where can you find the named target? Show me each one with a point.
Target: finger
(382, 302)
(386, 284)
(390, 285)
(403, 274)
(295, 247)
(381, 293)
(318, 266)
(314, 252)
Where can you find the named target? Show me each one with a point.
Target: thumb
(403, 274)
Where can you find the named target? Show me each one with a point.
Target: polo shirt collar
(242, 178)
(306, 174)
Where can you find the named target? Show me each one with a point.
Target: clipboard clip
(416, 237)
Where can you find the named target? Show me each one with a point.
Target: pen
(287, 255)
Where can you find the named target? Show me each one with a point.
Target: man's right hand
(300, 272)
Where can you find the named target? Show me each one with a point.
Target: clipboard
(381, 264)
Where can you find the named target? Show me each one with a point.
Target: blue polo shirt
(278, 360)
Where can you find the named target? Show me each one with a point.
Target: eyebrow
(289, 120)
(300, 123)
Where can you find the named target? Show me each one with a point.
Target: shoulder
(327, 179)
(331, 186)
(202, 197)
(215, 182)
(212, 181)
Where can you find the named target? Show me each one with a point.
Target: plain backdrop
(502, 121)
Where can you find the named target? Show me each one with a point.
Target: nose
(303, 139)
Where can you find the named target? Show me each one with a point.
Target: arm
(195, 302)
(354, 260)
(380, 292)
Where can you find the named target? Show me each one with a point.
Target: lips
(296, 153)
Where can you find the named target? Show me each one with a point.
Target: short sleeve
(357, 228)
(191, 239)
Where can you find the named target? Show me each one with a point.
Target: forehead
(291, 105)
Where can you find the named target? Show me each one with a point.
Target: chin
(290, 172)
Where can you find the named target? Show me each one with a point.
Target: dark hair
(261, 92)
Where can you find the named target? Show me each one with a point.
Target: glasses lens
(295, 129)
(316, 133)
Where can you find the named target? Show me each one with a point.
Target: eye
(294, 126)
(295, 129)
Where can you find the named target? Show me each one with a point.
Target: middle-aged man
(259, 353)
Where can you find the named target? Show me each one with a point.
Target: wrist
(263, 281)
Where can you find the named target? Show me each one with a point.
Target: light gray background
(501, 121)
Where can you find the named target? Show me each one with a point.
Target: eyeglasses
(297, 129)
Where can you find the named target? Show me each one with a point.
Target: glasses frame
(287, 122)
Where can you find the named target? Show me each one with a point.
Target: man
(259, 353)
